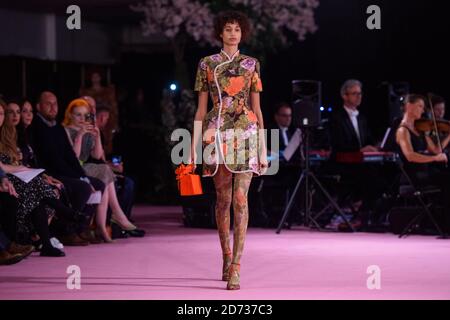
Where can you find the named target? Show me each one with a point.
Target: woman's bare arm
(12, 169)
(432, 147)
(256, 108)
(404, 141)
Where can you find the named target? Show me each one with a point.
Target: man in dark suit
(283, 123)
(289, 171)
(55, 154)
(349, 130)
(350, 137)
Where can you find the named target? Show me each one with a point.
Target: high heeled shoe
(131, 227)
(226, 266)
(233, 282)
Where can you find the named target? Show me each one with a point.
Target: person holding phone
(85, 137)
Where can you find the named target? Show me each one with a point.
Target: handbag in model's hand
(189, 184)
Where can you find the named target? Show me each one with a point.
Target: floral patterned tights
(228, 193)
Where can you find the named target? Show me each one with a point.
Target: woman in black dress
(418, 152)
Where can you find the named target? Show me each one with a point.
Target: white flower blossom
(170, 17)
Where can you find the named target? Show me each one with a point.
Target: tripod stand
(305, 177)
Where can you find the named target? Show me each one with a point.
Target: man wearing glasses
(283, 122)
(349, 129)
(350, 137)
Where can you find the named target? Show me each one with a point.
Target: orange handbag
(189, 184)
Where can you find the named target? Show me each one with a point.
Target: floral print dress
(230, 129)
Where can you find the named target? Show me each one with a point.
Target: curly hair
(232, 17)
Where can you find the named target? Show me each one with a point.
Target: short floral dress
(30, 196)
(230, 129)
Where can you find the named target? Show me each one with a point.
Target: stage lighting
(322, 109)
(173, 87)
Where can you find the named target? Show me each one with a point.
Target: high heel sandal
(226, 266)
(233, 282)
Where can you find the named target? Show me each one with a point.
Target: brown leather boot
(7, 258)
(25, 251)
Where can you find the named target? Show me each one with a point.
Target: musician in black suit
(283, 123)
(289, 171)
(350, 134)
(349, 130)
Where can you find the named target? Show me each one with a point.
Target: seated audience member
(10, 251)
(124, 185)
(86, 142)
(35, 198)
(20, 116)
(23, 133)
(54, 153)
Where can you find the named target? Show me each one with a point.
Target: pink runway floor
(173, 262)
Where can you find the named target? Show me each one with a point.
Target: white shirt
(284, 135)
(353, 114)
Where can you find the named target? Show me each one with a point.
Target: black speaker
(306, 102)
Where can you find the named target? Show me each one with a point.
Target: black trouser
(8, 213)
(40, 222)
(362, 181)
(78, 193)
